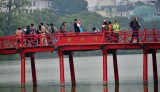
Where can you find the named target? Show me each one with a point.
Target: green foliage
(144, 11)
(139, 3)
(10, 13)
(9, 57)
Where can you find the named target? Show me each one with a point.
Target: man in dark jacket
(76, 28)
(134, 24)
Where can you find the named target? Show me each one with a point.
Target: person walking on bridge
(134, 24)
(116, 30)
(76, 26)
(63, 28)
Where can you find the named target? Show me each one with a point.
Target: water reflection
(105, 88)
(94, 88)
(155, 88)
(23, 89)
(34, 89)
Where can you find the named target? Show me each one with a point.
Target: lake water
(89, 77)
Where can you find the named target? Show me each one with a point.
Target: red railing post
(105, 76)
(41, 39)
(23, 69)
(145, 36)
(103, 38)
(2, 43)
(125, 37)
(22, 40)
(154, 35)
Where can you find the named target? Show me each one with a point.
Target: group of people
(108, 27)
(113, 30)
(44, 29)
(31, 29)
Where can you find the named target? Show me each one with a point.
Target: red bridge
(67, 43)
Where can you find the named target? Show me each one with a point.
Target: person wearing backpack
(134, 24)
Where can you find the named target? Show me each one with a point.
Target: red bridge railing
(84, 38)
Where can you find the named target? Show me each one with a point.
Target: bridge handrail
(145, 36)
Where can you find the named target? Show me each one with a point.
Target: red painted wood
(155, 73)
(105, 73)
(33, 68)
(23, 69)
(61, 62)
(71, 63)
(115, 66)
(85, 41)
(145, 66)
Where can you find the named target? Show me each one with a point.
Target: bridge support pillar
(105, 76)
(61, 62)
(23, 69)
(145, 66)
(115, 66)
(72, 68)
(34, 79)
(155, 74)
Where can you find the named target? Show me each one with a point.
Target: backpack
(131, 24)
(52, 29)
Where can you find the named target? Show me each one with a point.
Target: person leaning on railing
(116, 30)
(19, 34)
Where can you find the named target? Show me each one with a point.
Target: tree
(63, 7)
(139, 3)
(144, 11)
(10, 8)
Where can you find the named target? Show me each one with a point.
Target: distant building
(38, 5)
(106, 2)
(157, 3)
(116, 10)
(35, 5)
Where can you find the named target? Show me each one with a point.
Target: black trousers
(135, 35)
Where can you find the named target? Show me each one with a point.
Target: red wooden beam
(105, 73)
(33, 68)
(61, 63)
(23, 69)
